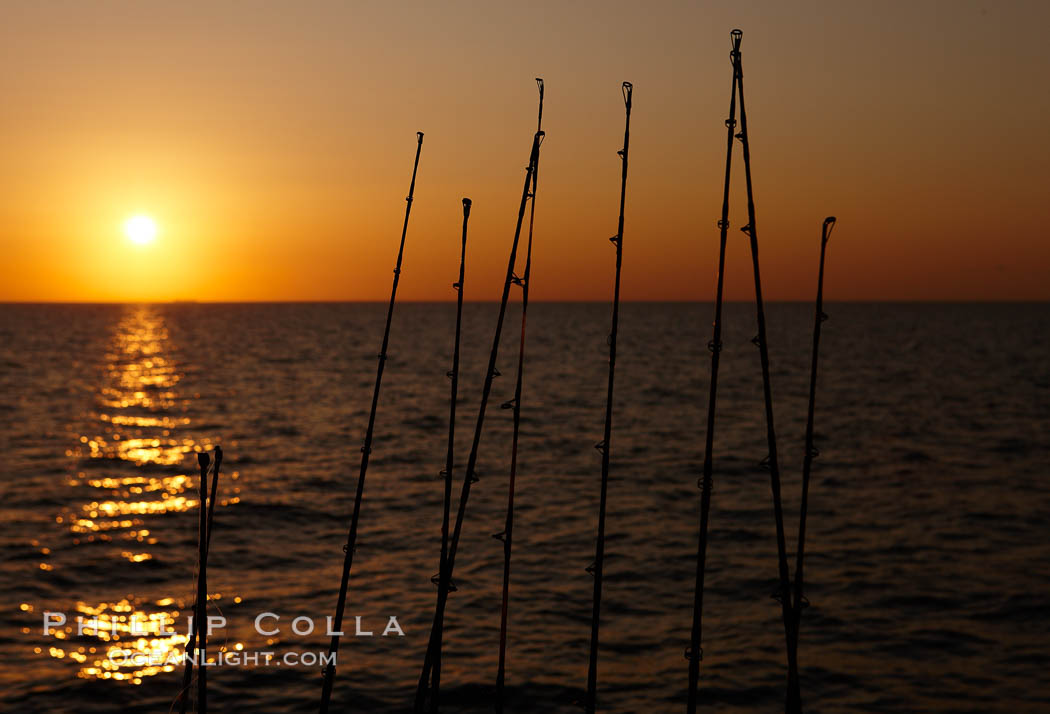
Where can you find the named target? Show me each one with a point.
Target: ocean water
(928, 551)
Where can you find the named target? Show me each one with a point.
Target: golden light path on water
(129, 639)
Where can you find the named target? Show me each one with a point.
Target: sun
(140, 229)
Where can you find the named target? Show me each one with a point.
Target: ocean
(928, 549)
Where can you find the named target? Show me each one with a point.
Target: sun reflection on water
(121, 641)
(165, 451)
(129, 479)
(123, 420)
(116, 399)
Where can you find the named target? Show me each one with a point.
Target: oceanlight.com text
(157, 658)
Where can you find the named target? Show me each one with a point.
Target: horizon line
(932, 301)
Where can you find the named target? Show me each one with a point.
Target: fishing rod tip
(735, 36)
(419, 136)
(466, 203)
(829, 226)
(203, 459)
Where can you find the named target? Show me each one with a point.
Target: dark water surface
(928, 552)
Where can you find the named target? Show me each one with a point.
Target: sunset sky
(272, 143)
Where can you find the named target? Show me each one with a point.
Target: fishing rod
(366, 450)
(507, 534)
(799, 600)
(200, 607)
(783, 592)
(217, 451)
(470, 475)
(695, 652)
(191, 644)
(597, 568)
(441, 579)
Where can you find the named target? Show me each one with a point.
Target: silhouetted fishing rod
(191, 644)
(506, 536)
(441, 579)
(783, 592)
(200, 606)
(366, 450)
(217, 451)
(597, 568)
(695, 652)
(799, 600)
(470, 475)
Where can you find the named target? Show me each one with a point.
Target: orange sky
(273, 144)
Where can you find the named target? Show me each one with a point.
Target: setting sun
(140, 229)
